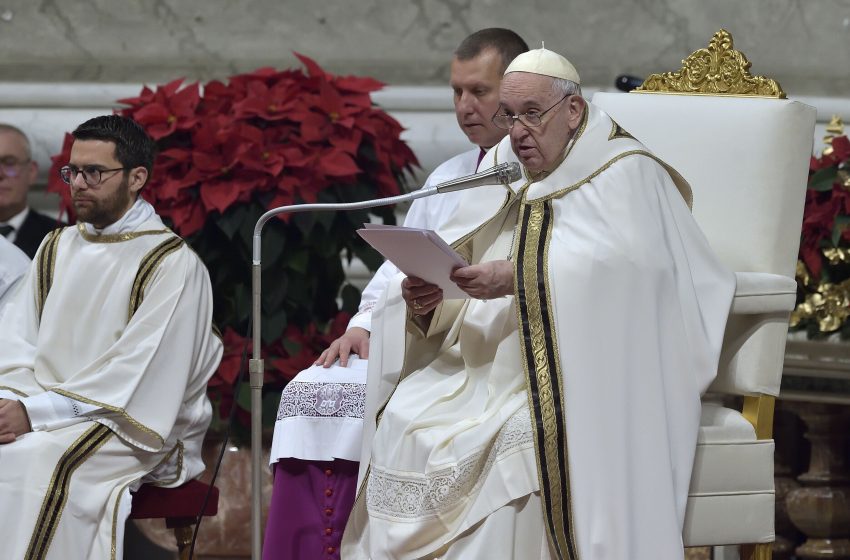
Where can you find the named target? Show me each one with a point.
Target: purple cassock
(315, 454)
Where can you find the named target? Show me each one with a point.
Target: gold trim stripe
(148, 266)
(117, 237)
(688, 195)
(57, 492)
(543, 376)
(46, 265)
(135, 423)
(179, 449)
(113, 551)
(12, 389)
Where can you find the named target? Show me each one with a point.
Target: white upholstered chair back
(746, 160)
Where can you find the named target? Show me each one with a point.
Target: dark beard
(104, 212)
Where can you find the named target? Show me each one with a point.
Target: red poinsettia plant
(823, 269)
(229, 151)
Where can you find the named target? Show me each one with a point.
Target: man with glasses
(19, 223)
(315, 448)
(554, 413)
(105, 353)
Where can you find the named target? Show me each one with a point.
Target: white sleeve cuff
(362, 320)
(50, 411)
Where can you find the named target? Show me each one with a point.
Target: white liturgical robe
(320, 415)
(578, 395)
(109, 344)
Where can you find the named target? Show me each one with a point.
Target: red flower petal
(337, 163)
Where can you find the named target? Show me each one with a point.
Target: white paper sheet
(417, 252)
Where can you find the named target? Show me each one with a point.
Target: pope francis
(553, 413)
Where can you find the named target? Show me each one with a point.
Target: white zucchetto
(546, 63)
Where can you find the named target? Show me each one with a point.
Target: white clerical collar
(139, 213)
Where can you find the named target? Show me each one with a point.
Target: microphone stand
(504, 173)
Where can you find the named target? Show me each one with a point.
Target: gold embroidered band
(148, 266)
(46, 264)
(57, 492)
(543, 375)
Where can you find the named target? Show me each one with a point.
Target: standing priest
(104, 357)
(554, 413)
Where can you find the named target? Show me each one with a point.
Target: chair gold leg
(757, 551)
(184, 540)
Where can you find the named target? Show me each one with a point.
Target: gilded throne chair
(745, 150)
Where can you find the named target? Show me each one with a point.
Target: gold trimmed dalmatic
(121, 323)
(581, 391)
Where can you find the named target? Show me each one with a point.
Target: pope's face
(539, 148)
(475, 83)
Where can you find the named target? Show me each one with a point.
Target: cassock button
(328, 472)
(329, 530)
(330, 550)
(329, 511)
(329, 492)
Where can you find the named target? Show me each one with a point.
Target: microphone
(504, 173)
(627, 83)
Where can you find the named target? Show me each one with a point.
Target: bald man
(19, 223)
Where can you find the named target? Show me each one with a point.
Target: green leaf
(841, 223)
(370, 257)
(325, 219)
(242, 301)
(273, 325)
(243, 396)
(271, 402)
(230, 222)
(297, 260)
(292, 348)
(304, 221)
(350, 298)
(274, 242)
(246, 228)
(274, 291)
(823, 179)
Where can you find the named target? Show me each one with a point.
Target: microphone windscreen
(624, 82)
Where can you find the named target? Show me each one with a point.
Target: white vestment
(582, 389)
(14, 264)
(109, 344)
(320, 416)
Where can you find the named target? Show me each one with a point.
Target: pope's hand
(421, 297)
(486, 280)
(355, 340)
(13, 420)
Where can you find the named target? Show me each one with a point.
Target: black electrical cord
(230, 417)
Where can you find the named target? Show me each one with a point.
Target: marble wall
(802, 43)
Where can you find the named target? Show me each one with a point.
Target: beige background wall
(805, 44)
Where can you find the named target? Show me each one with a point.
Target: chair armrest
(763, 292)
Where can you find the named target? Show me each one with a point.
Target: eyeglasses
(92, 175)
(532, 118)
(11, 166)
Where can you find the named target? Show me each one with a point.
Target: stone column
(820, 508)
(791, 459)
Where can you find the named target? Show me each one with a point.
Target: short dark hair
(507, 43)
(133, 146)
